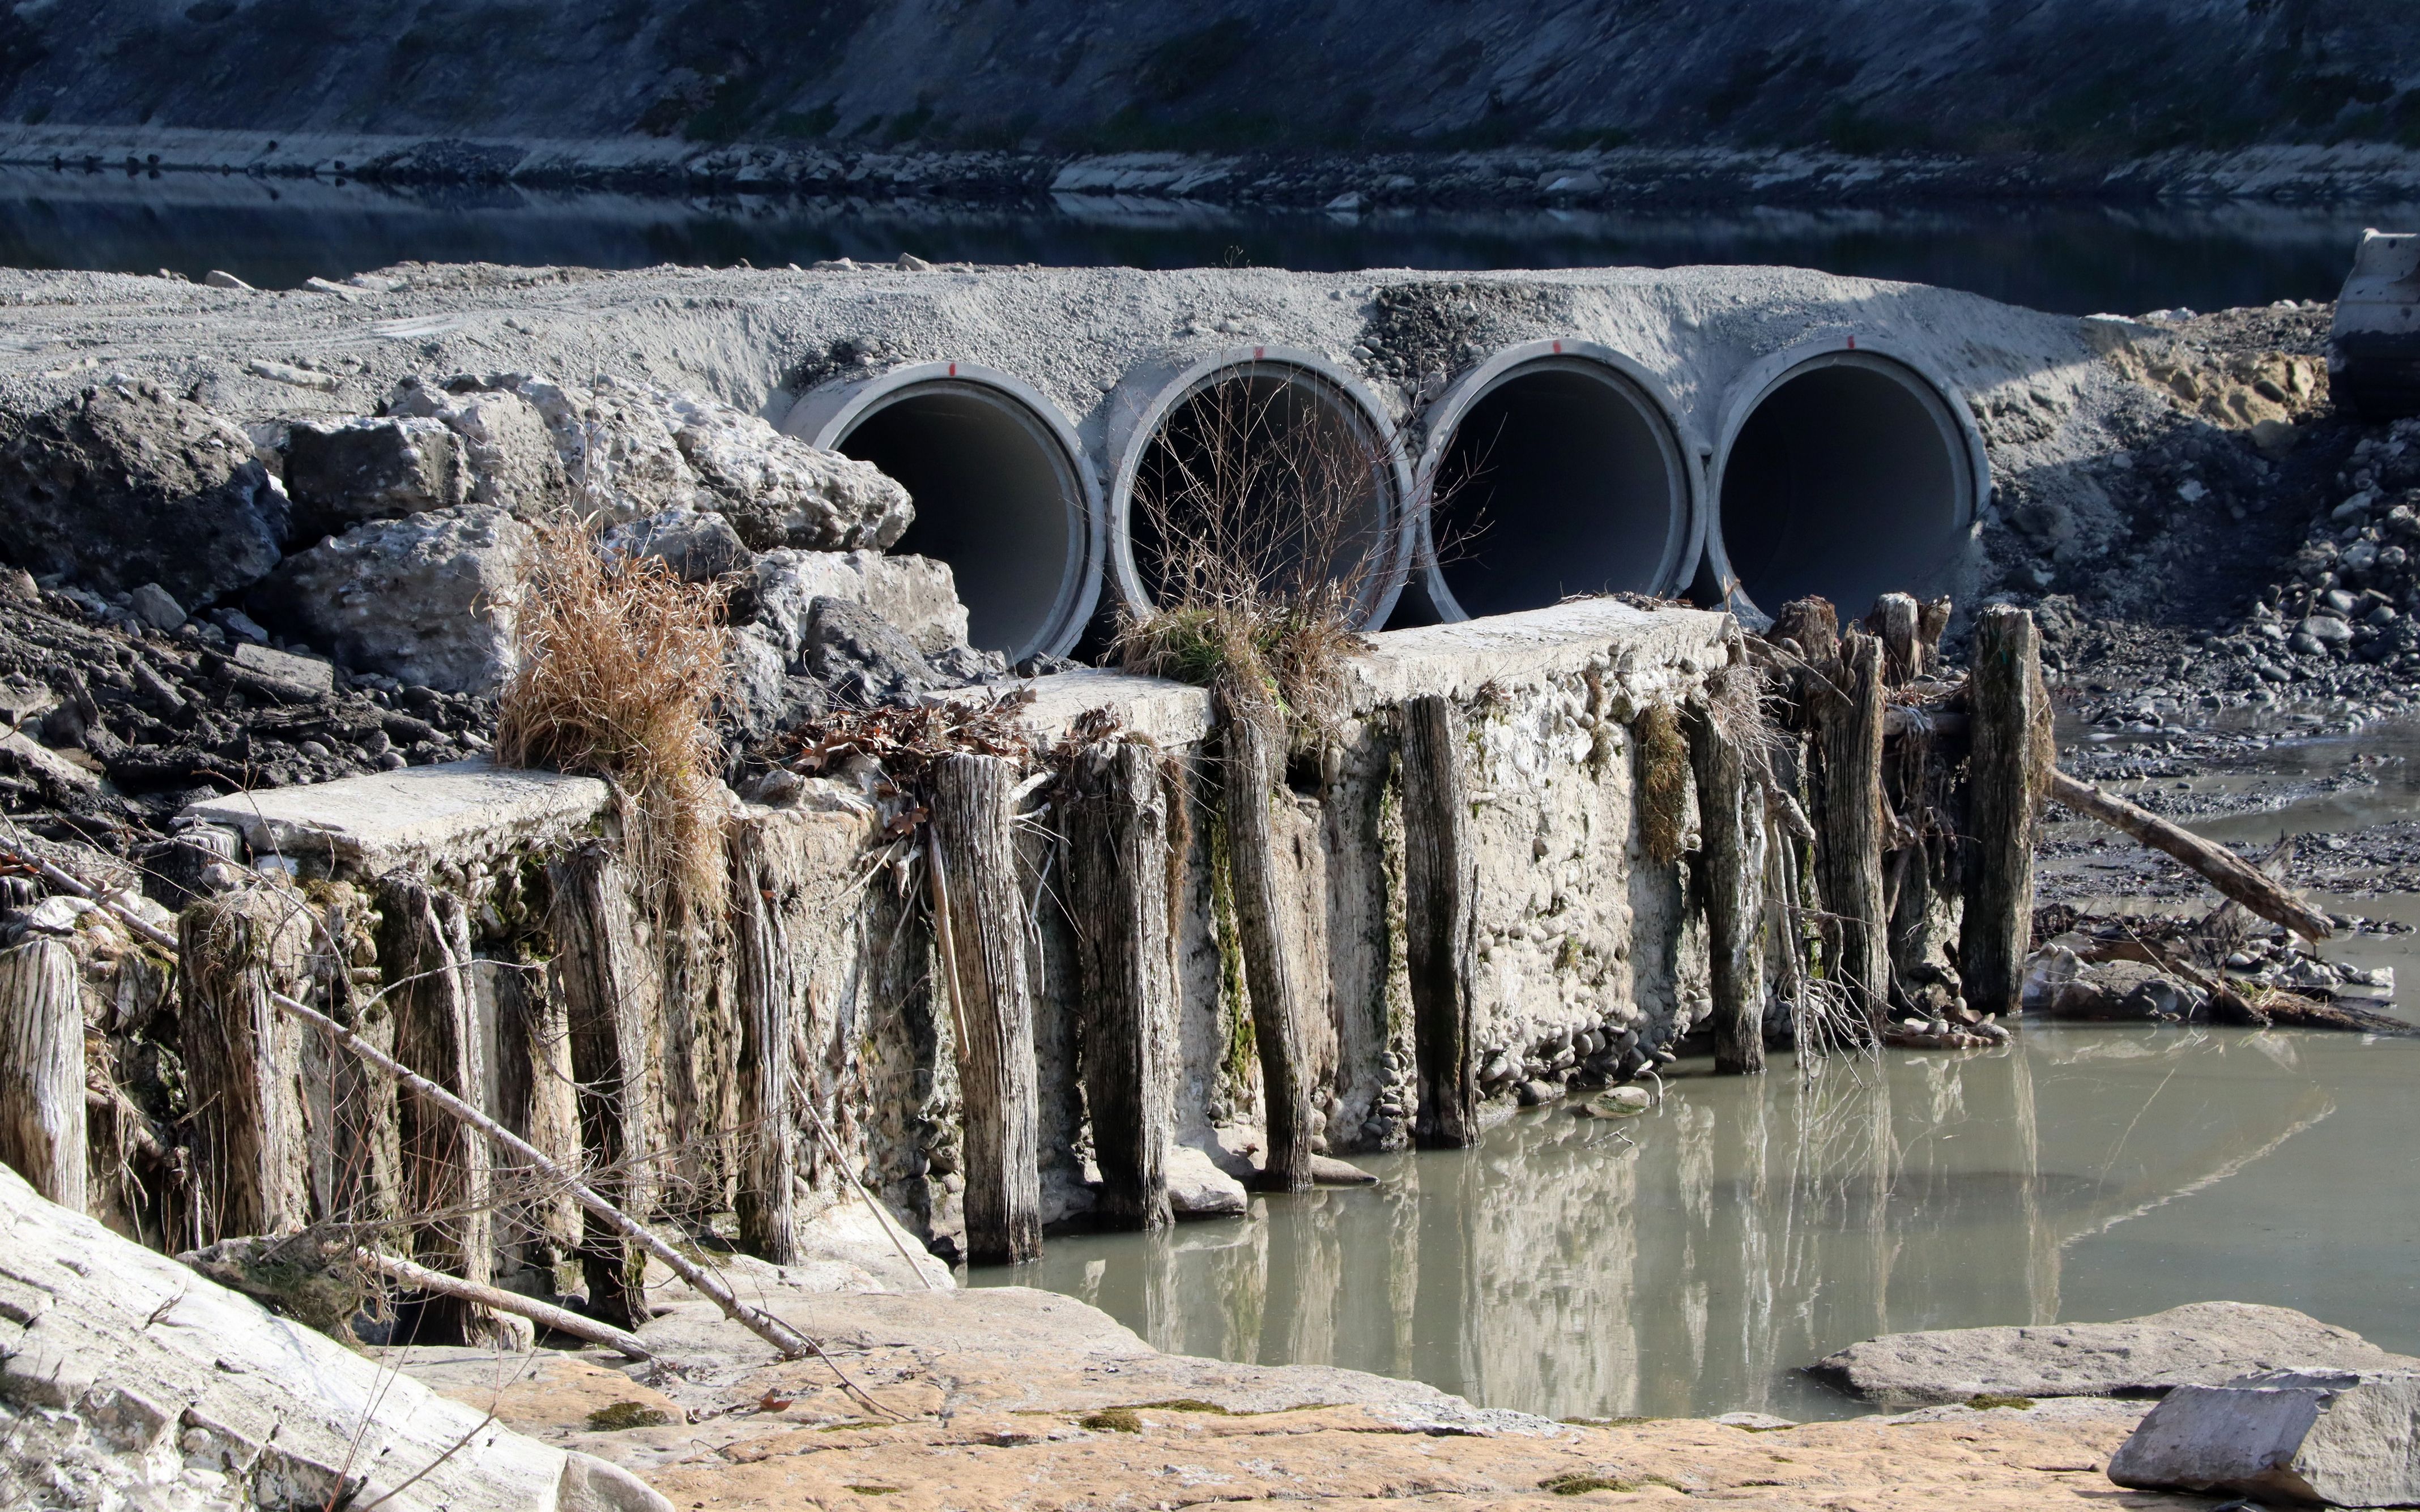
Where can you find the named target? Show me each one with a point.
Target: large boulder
(628, 450)
(2201, 1344)
(125, 483)
(342, 473)
(127, 1379)
(428, 598)
(2343, 1438)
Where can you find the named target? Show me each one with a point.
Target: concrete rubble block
(916, 595)
(2201, 1344)
(342, 473)
(776, 489)
(509, 452)
(2342, 1438)
(697, 546)
(423, 599)
(1646, 648)
(415, 816)
(860, 656)
(142, 1384)
(125, 484)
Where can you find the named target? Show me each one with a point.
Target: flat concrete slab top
(366, 826)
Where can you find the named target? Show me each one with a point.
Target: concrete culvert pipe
(1548, 475)
(1000, 490)
(1848, 475)
(1264, 466)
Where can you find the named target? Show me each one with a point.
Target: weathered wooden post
(1849, 820)
(1896, 621)
(767, 987)
(41, 1069)
(2007, 704)
(1270, 972)
(608, 992)
(535, 1098)
(985, 957)
(424, 949)
(1440, 919)
(243, 1064)
(1118, 896)
(1732, 854)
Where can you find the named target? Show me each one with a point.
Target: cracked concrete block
(428, 598)
(342, 473)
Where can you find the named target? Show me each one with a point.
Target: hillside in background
(2088, 79)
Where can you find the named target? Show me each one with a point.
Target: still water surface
(2068, 257)
(1688, 1262)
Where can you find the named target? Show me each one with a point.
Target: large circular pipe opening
(1270, 477)
(998, 496)
(1561, 476)
(1849, 477)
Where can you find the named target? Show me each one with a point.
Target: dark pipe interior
(1846, 482)
(996, 499)
(1266, 475)
(1558, 481)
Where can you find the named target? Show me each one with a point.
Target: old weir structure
(1105, 955)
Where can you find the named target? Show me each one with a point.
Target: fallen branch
(562, 1320)
(2220, 867)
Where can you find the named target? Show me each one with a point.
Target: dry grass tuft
(1663, 783)
(619, 665)
(1259, 537)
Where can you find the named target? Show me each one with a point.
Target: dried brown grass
(619, 666)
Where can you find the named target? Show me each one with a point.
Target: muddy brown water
(1690, 1260)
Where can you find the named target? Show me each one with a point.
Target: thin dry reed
(619, 665)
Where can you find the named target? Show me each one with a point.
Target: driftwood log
(2007, 707)
(764, 971)
(1441, 922)
(243, 1064)
(1847, 699)
(41, 1069)
(493, 1299)
(423, 956)
(607, 986)
(985, 957)
(1732, 824)
(1271, 975)
(2222, 868)
(1118, 897)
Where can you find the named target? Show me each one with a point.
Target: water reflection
(1688, 1262)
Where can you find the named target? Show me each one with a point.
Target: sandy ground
(1011, 1399)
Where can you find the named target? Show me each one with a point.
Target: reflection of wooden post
(1270, 971)
(1440, 919)
(1118, 900)
(424, 949)
(985, 959)
(765, 985)
(1849, 820)
(602, 976)
(2005, 700)
(41, 1069)
(1731, 824)
(243, 1064)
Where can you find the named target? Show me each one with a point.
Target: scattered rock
(1197, 1188)
(2205, 1343)
(220, 278)
(312, 673)
(426, 599)
(125, 484)
(153, 604)
(2344, 1438)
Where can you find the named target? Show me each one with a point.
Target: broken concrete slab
(128, 1374)
(459, 811)
(1564, 640)
(916, 595)
(2343, 1438)
(2201, 1344)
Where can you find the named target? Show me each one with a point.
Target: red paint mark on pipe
(954, 370)
(1559, 348)
(1257, 351)
(1852, 344)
